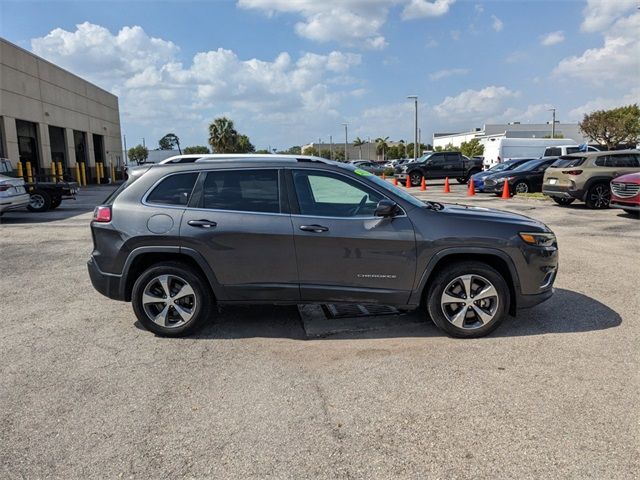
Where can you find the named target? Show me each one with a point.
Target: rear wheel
(171, 299)
(40, 201)
(563, 201)
(468, 299)
(462, 180)
(598, 196)
(415, 178)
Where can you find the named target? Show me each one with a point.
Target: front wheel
(468, 299)
(598, 196)
(171, 299)
(39, 201)
(521, 187)
(55, 202)
(415, 178)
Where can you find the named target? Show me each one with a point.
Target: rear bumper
(107, 284)
(562, 192)
(14, 202)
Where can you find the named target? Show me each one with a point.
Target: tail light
(572, 172)
(102, 214)
(4, 188)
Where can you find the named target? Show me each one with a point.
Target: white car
(13, 194)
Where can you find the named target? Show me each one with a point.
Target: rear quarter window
(174, 190)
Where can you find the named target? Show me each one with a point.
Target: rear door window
(174, 190)
(242, 191)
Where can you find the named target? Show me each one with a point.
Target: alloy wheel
(599, 196)
(416, 179)
(36, 201)
(469, 301)
(521, 187)
(169, 301)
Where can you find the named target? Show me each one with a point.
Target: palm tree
(223, 137)
(381, 146)
(358, 142)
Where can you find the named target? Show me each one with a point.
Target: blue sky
(289, 72)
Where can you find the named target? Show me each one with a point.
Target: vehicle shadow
(635, 216)
(565, 312)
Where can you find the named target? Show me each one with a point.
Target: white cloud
(601, 103)
(476, 105)
(552, 38)
(616, 63)
(156, 88)
(440, 74)
(350, 22)
(497, 24)
(600, 14)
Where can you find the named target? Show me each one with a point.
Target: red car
(625, 193)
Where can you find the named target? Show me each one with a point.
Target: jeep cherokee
(176, 239)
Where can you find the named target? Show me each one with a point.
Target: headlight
(538, 239)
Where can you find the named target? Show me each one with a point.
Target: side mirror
(386, 208)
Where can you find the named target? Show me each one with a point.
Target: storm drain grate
(351, 311)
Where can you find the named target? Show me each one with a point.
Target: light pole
(553, 122)
(369, 148)
(346, 140)
(415, 140)
(331, 147)
(319, 142)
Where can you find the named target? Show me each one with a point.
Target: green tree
(395, 151)
(262, 151)
(472, 148)
(326, 153)
(358, 142)
(295, 150)
(169, 141)
(421, 148)
(610, 128)
(381, 146)
(196, 149)
(223, 136)
(243, 145)
(309, 151)
(138, 154)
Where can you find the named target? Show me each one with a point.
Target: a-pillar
(11, 138)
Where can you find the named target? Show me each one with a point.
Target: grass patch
(534, 195)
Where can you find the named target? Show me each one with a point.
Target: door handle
(314, 228)
(202, 223)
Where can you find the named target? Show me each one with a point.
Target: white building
(510, 130)
(48, 114)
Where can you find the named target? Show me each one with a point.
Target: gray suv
(176, 239)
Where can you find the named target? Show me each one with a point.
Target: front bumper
(528, 301)
(493, 187)
(478, 185)
(14, 202)
(107, 284)
(615, 203)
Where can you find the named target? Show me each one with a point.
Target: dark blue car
(478, 178)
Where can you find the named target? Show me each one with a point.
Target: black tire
(462, 180)
(520, 187)
(415, 178)
(598, 196)
(40, 201)
(177, 271)
(479, 270)
(55, 202)
(563, 201)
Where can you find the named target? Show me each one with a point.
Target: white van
(497, 150)
(561, 150)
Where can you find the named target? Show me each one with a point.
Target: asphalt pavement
(85, 392)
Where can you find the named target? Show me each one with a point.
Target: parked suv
(439, 165)
(177, 239)
(587, 176)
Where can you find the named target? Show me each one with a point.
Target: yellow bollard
(83, 172)
(78, 177)
(102, 170)
(20, 172)
(98, 173)
(113, 173)
(29, 172)
(60, 172)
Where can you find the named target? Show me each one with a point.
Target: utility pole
(415, 136)
(319, 142)
(553, 122)
(346, 140)
(419, 141)
(331, 147)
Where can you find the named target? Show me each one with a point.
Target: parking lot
(262, 392)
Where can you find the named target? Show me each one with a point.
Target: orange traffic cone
(423, 185)
(472, 188)
(505, 191)
(408, 183)
(446, 185)
(395, 181)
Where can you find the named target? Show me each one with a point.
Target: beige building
(48, 114)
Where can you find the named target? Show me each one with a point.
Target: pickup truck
(43, 195)
(439, 165)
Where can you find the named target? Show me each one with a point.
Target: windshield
(527, 166)
(499, 167)
(424, 157)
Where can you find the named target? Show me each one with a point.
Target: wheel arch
(494, 258)
(142, 258)
(604, 179)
